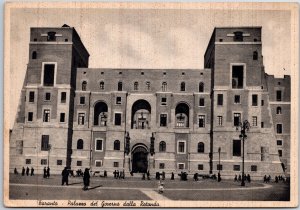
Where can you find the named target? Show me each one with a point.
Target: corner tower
(240, 93)
(42, 134)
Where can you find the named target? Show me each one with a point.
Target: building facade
(136, 120)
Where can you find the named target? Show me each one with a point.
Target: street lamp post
(244, 127)
(49, 148)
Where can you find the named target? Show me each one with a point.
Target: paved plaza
(133, 188)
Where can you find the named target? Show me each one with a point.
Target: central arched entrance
(139, 159)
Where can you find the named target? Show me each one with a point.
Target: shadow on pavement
(75, 183)
(91, 188)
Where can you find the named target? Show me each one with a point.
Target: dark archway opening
(139, 160)
(182, 115)
(100, 114)
(140, 115)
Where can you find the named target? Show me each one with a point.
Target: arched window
(164, 86)
(182, 115)
(278, 110)
(182, 86)
(136, 86)
(120, 86)
(84, 83)
(80, 144)
(200, 147)
(101, 85)
(148, 85)
(100, 114)
(255, 55)
(116, 145)
(201, 87)
(162, 146)
(33, 55)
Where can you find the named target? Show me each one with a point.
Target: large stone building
(168, 120)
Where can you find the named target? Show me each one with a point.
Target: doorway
(139, 160)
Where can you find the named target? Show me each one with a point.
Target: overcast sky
(147, 38)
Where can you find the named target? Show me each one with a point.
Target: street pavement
(133, 188)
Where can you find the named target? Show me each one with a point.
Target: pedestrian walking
(219, 177)
(16, 171)
(276, 179)
(48, 173)
(32, 171)
(163, 175)
(65, 176)
(23, 171)
(240, 178)
(143, 177)
(160, 187)
(123, 174)
(269, 178)
(235, 178)
(148, 175)
(172, 176)
(86, 179)
(248, 178)
(45, 172)
(105, 174)
(27, 171)
(115, 174)
(157, 176)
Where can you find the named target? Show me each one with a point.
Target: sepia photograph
(151, 104)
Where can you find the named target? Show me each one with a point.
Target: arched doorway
(139, 159)
(100, 114)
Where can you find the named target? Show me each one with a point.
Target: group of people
(25, 171)
(46, 173)
(239, 178)
(86, 178)
(117, 174)
(267, 179)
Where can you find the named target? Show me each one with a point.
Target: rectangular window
(237, 77)
(82, 100)
(161, 166)
(236, 119)
(219, 167)
(163, 101)
(279, 128)
(81, 119)
(220, 120)
(79, 163)
(279, 142)
(49, 74)
(31, 96)
(45, 143)
(201, 121)
(99, 145)
(98, 163)
(43, 161)
(262, 124)
(262, 102)
(181, 166)
(254, 121)
(59, 162)
(28, 161)
(237, 99)
(118, 100)
(62, 117)
(201, 102)
(30, 116)
(117, 118)
(116, 164)
(46, 116)
(200, 167)
(181, 147)
(220, 99)
(280, 153)
(236, 167)
(236, 148)
(254, 100)
(163, 120)
(278, 95)
(253, 167)
(63, 97)
(47, 96)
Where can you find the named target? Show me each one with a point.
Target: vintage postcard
(151, 104)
